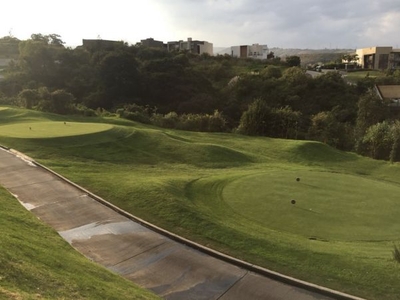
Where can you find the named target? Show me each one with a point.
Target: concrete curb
(239, 263)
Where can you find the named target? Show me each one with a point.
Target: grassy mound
(233, 193)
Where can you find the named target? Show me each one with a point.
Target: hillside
(307, 56)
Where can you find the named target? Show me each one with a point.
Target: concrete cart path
(151, 260)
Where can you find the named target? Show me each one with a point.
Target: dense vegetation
(232, 192)
(201, 92)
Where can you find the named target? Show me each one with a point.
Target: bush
(135, 113)
(137, 117)
(191, 122)
(84, 111)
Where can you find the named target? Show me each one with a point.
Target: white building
(254, 51)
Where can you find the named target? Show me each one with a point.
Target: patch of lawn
(325, 204)
(355, 76)
(34, 130)
(36, 263)
(233, 192)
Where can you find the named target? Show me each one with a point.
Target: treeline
(203, 93)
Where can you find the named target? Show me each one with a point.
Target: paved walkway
(151, 260)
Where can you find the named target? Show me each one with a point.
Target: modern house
(379, 58)
(193, 46)
(246, 51)
(390, 94)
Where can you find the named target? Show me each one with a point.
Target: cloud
(295, 23)
(277, 23)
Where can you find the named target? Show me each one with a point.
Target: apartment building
(379, 58)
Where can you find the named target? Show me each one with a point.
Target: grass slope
(233, 193)
(36, 263)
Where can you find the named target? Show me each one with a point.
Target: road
(152, 260)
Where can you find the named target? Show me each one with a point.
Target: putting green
(329, 206)
(51, 129)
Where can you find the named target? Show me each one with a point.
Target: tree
(350, 58)
(39, 60)
(371, 110)
(50, 39)
(286, 122)
(9, 47)
(378, 140)
(255, 120)
(293, 61)
(327, 128)
(119, 77)
(59, 101)
(28, 98)
(271, 72)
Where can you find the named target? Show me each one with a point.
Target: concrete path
(151, 260)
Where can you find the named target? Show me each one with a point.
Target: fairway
(51, 129)
(329, 206)
(233, 193)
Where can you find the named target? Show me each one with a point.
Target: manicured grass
(355, 76)
(51, 129)
(36, 263)
(321, 199)
(233, 193)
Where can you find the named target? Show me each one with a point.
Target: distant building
(98, 44)
(379, 58)
(150, 42)
(192, 46)
(254, 51)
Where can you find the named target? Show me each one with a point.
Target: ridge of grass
(36, 263)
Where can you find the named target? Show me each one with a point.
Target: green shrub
(81, 109)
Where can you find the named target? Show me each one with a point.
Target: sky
(303, 24)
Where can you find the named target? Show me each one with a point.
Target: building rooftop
(389, 91)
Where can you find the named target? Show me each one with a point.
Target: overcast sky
(314, 24)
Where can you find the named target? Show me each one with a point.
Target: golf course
(300, 208)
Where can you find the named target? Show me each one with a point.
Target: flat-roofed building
(150, 42)
(250, 51)
(389, 94)
(98, 44)
(379, 58)
(193, 46)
